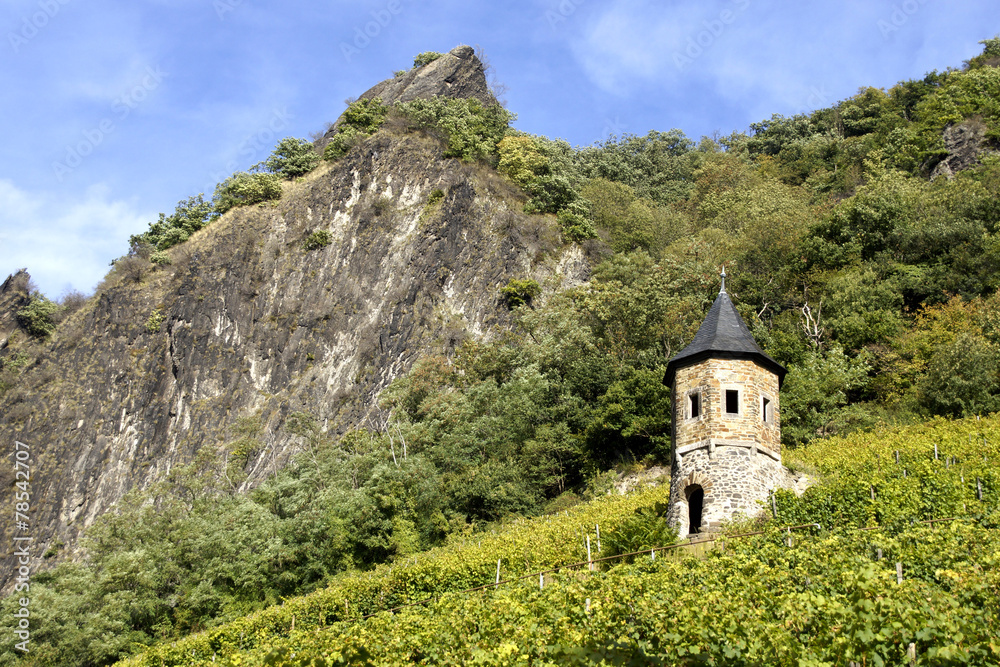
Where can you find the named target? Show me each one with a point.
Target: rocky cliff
(247, 321)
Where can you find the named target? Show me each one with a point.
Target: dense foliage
(37, 317)
(292, 158)
(242, 189)
(188, 217)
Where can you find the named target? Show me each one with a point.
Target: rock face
(248, 323)
(458, 74)
(13, 297)
(965, 144)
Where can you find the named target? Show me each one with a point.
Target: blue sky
(117, 110)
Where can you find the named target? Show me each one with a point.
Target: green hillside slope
(828, 597)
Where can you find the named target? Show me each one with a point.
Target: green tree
(814, 397)
(658, 166)
(426, 58)
(292, 157)
(244, 189)
(362, 118)
(189, 216)
(962, 378)
(38, 317)
(472, 130)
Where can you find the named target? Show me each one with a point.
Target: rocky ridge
(246, 323)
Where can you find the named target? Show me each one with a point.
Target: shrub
(549, 194)
(381, 205)
(189, 216)
(132, 268)
(645, 529)
(575, 227)
(37, 317)
(472, 129)
(292, 157)
(73, 301)
(435, 196)
(360, 119)
(520, 291)
(426, 58)
(520, 159)
(160, 258)
(365, 115)
(242, 189)
(318, 239)
(154, 322)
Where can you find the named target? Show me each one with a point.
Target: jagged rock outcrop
(458, 73)
(965, 143)
(13, 297)
(247, 322)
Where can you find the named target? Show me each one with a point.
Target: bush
(242, 189)
(72, 301)
(292, 157)
(575, 227)
(520, 291)
(318, 239)
(381, 206)
(520, 159)
(132, 268)
(160, 258)
(37, 317)
(472, 129)
(155, 321)
(189, 216)
(645, 529)
(426, 58)
(360, 119)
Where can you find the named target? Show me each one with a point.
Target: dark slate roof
(723, 335)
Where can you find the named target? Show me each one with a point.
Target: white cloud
(64, 244)
(764, 56)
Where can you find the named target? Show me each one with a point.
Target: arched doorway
(696, 503)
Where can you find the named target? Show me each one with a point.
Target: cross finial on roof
(723, 288)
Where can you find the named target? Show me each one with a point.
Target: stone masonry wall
(734, 479)
(711, 378)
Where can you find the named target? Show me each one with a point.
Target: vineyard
(901, 567)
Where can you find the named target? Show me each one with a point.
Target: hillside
(829, 596)
(425, 324)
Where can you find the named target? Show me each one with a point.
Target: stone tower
(726, 452)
